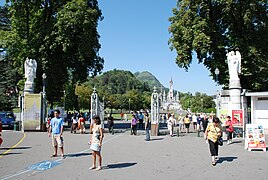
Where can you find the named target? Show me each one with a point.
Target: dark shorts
(187, 125)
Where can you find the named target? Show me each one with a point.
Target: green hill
(149, 78)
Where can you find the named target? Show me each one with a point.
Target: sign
(44, 165)
(237, 117)
(32, 111)
(255, 137)
(238, 132)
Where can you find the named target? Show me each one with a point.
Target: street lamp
(44, 76)
(64, 100)
(217, 72)
(129, 105)
(202, 104)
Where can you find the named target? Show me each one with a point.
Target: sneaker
(99, 168)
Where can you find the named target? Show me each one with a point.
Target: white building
(169, 101)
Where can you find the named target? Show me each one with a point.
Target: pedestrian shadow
(227, 159)
(156, 139)
(78, 155)
(119, 165)
(7, 148)
(7, 154)
(237, 142)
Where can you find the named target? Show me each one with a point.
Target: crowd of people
(210, 125)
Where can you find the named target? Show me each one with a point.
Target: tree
(61, 36)
(8, 90)
(212, 27)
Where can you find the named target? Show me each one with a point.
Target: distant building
(169, 101)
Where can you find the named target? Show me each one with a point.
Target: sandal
(99, 168)
(53, 155)
(92, 167)
(213, 163)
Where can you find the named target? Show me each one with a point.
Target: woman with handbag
(212, 134)
(229, 129)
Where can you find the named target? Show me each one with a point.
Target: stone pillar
(94, 110)
(235, 95)
(155, 113)
(234, 66)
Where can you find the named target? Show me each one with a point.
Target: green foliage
(118, 89)
(210, 28)
(199, 102)
(148, 78)
(8, 94)
(60, 35)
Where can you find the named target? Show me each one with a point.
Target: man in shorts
(55, 132)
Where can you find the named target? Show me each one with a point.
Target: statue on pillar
(234, 64)
(30, 66)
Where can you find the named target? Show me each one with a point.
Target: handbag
(219, 139)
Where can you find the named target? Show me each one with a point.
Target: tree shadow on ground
(119, 165)
(77, 155)
(227, 159)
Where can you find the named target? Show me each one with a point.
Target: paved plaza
(27, 156)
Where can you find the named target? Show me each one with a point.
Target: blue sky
(134, 36)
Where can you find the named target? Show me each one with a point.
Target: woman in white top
(96, 143)
(171, 122)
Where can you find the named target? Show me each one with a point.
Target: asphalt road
(27, 156)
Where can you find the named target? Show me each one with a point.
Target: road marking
(44, 165)
(7, 151)
(38, 165)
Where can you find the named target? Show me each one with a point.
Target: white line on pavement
(26, 171)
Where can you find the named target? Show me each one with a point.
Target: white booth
(259, 108)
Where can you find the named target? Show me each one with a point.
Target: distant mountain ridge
(149, 78)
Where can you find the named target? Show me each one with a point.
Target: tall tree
(61, 35)
(212, 27)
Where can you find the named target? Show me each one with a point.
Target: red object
(237, 117)
(1, 141)
(0, 126)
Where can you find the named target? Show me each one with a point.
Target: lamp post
(44, 76)
(64, 99)
(217, 72)
(202, 105)
(129, 105)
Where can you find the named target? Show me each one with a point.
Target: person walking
(212, 133)
(81, 122)
(55, 132)
(181, 122)
(74, 123)
(133, 125)
(111, 124)
(194, 120)
(229, 129)
(171, 121)
(141, 117)
(187, 123)
(96, 143)
(147, 126)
